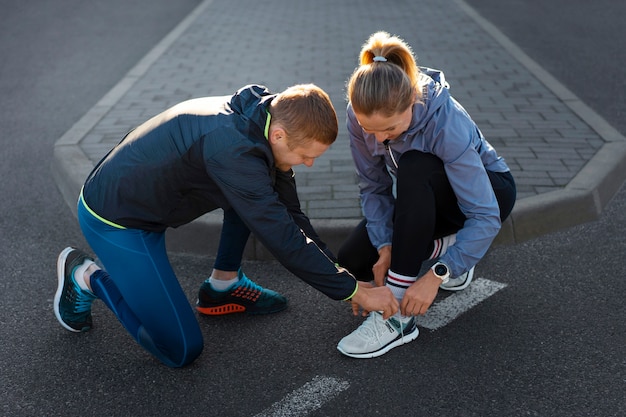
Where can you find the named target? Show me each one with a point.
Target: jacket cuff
(356, 288)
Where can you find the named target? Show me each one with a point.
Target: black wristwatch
(441, 271)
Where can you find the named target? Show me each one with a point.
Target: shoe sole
(61, 279)
(221, 310)
(468, 281)
(399, 342)
(233, 309)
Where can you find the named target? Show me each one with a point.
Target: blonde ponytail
(387, 80)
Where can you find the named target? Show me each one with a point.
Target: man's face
(286, 158)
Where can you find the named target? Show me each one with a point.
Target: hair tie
(379, 58)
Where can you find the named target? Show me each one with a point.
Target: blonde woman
(431, 187)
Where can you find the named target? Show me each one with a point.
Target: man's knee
(176, 353)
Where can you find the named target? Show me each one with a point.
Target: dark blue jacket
(205, 154)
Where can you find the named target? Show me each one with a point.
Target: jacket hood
(246, 102)
(434, 94)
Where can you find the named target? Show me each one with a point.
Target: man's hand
(355, 306)
(374, 299)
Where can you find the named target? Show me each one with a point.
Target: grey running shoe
(460, 283)
(376, 336)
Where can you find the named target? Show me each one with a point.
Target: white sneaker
(376, 336)
(460, 283)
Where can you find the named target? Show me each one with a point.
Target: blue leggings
(233, 241)
(140, 287)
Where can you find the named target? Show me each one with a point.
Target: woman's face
(385, 127)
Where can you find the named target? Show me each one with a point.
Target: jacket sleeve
(375, 187)
(243, 173)
(455, 138)
(285, 186)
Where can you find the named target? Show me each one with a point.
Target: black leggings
(426, 209)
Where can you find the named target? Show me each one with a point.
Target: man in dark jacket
(235, 153)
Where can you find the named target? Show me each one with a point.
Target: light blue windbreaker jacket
(442, 127)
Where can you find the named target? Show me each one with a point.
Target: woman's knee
(505, 190)
(357, 254)
(348, 258)
(416, 164)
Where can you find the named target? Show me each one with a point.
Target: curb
(586, 195)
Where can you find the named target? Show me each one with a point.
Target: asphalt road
(551, 343)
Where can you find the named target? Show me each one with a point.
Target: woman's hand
(420, 295)
(381, 267)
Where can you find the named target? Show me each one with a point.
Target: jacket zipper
(393, 159)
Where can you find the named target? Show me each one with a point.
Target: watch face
(441, 270)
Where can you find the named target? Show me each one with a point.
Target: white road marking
(314, 394)
(309, 397)
(442, 313)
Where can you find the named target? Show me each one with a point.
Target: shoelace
(248, 284)
(247, 289)
(82, 299)
(376, 328)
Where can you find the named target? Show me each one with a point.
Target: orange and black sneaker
(245, 296)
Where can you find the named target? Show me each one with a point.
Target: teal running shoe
(72, 304)
(244, 297)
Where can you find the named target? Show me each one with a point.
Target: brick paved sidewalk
(564, 157)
